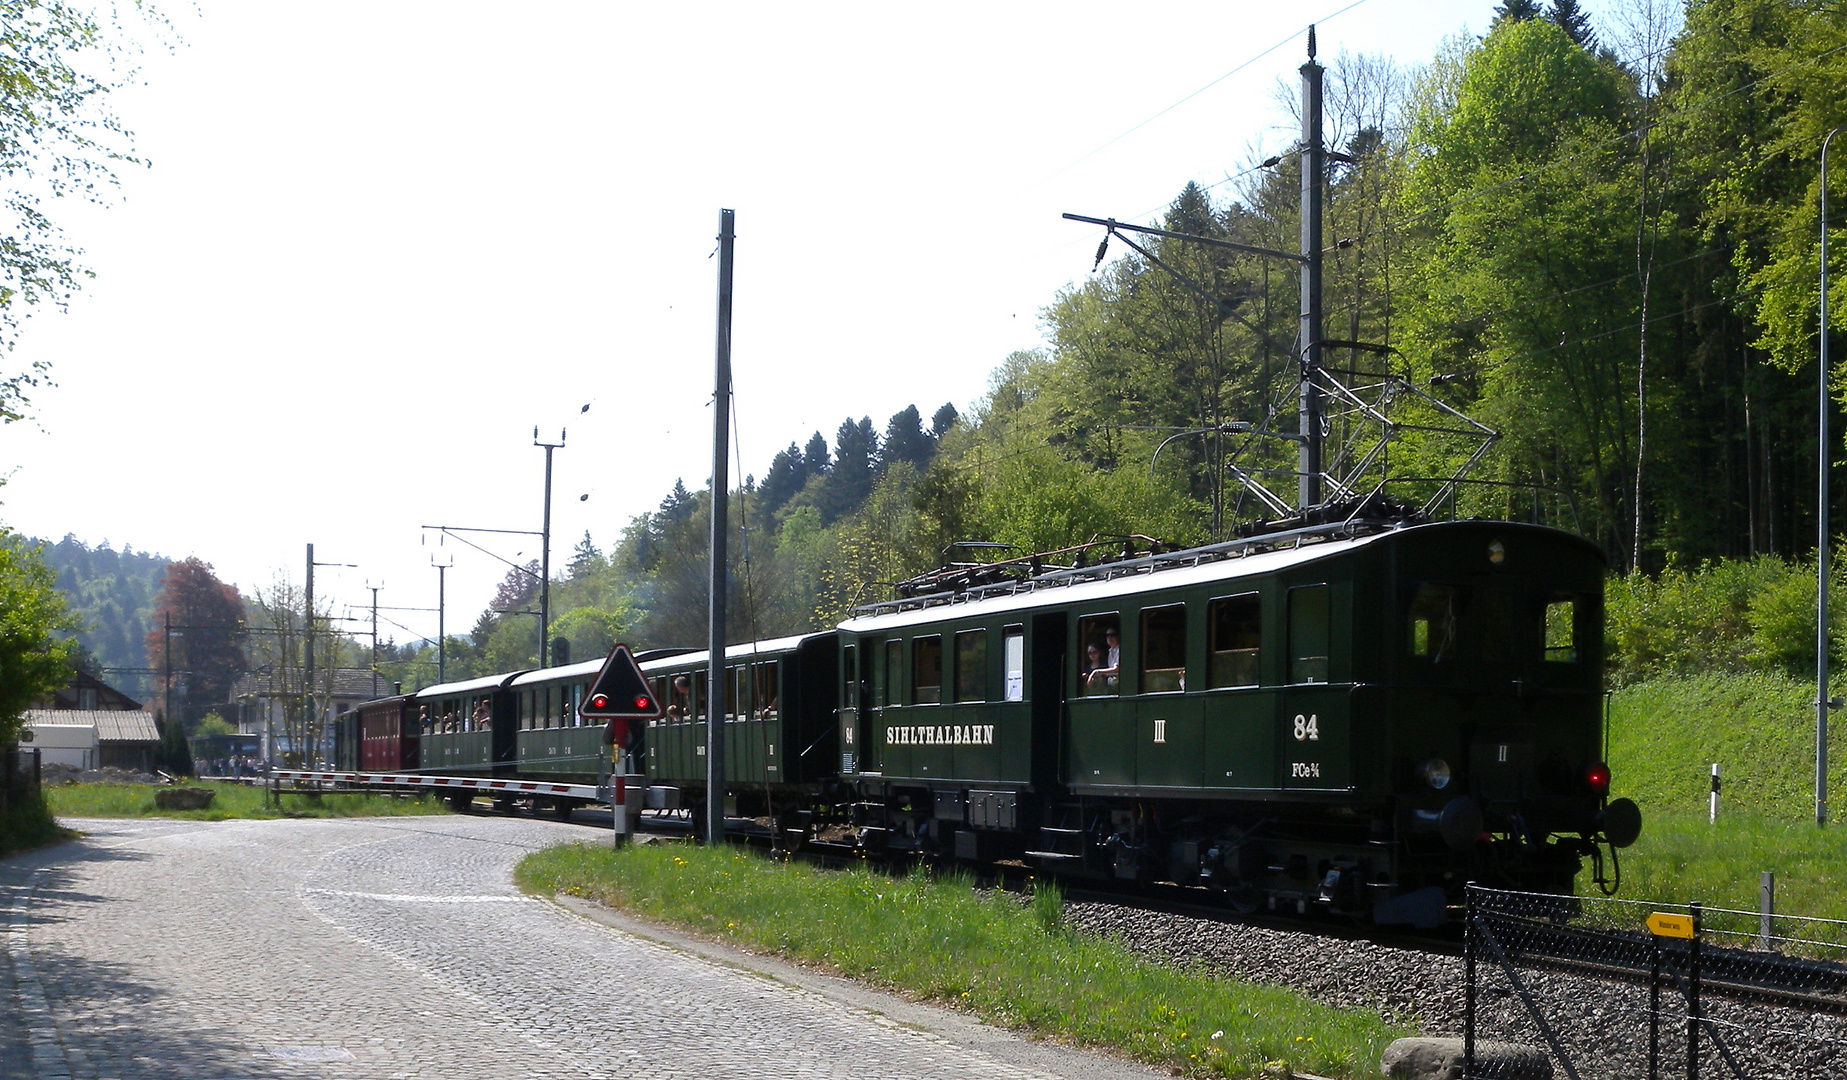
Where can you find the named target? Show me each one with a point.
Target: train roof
(1107, 582)
(740, 651)
(485, 682)
(581, 669)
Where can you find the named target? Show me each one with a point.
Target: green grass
(1008, 963)
(1664, 736)
(232, 801)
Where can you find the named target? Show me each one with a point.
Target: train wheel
(461, 802)
(562, 809)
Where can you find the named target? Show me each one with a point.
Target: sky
(376, 244)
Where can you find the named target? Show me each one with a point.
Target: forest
(1602, 242)
(1599, 241)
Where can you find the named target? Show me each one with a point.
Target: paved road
(399, 948)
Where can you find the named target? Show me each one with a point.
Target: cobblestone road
(396, 948)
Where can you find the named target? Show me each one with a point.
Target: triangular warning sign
(619, 692)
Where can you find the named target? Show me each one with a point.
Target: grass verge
(231, 801)
(1008, 963)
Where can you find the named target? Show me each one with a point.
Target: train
(1358, 717)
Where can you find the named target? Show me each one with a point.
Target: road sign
(619, 692)
(1663, 924)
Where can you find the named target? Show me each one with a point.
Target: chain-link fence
(1622, 988)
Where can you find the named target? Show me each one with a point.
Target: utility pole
(545, 549)
(721, 422)
(311, 723)
(1313, 160)
(442, 636)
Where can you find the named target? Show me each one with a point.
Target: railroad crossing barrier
(1632, 989)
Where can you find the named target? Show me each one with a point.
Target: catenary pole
(1313, 161)
(721, 422)
(1823, 701)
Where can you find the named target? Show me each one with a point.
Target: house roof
(84, 685)
(112, 725)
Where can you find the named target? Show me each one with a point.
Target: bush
(1730, 616)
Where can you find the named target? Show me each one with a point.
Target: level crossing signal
(619, 692)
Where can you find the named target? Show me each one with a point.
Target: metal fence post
(1654, 1007)
(1766, 907)
(1693, 1007)
(1469, 948)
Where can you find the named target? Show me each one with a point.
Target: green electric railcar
(1359, 723)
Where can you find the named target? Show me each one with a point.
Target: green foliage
(214, 724)
(1731, 615)
(34, 653)
(111, 596)
(174, 754)
(1006, 962)
(26, 821)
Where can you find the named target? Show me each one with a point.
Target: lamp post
(1822, 701)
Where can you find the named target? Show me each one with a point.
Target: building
(89, 724)
(267, 699)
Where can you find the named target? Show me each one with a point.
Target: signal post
(619, 694)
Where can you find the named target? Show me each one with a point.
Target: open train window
(1237, 633)
(1099, 654)
(1164, 649)
(1432, 623)
(765, 701)
(972, 665)
(1561, 640)
(1309, 634)
(927, 670)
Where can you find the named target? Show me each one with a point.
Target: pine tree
(1575, 22)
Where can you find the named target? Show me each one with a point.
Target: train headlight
(1597, 777)
(1435, 772)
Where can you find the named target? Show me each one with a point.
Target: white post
(1714, 811)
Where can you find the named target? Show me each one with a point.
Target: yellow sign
(1662, 924)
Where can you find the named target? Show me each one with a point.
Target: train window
(699, 698)
(849, 676)
(1013, 649)
(1237, 634)
(894, 673)
(737, 691)
(1562, 630)
(763, 697)
(1433, 622)
(1308, 634)
(1164, 649)
(1099, 654)
(972, 665)
(927, 670)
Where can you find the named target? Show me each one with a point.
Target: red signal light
(642, 704)
(599, 702)
(1597, 778)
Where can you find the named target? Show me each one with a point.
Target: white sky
(379, 241)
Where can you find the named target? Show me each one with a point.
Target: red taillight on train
(1597, 778)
